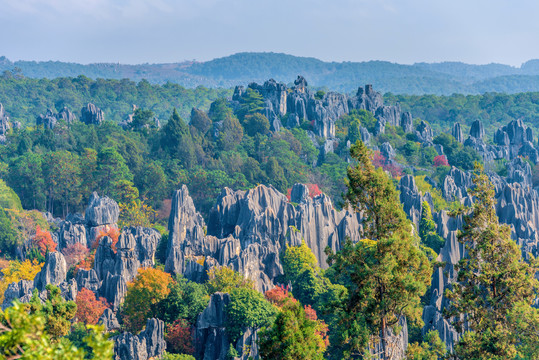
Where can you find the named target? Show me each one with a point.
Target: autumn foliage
(149, 287)
(17, 271)
(179, 337)
(74, 254)
(278, 296)
(89, 309)
(379, 160)
(43, 241)
(440, 160)
(314, 191)
(112, 233)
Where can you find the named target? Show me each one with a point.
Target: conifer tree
(495, 289)
(177, 142)
(385, 272)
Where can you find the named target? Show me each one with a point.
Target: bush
(247, 308)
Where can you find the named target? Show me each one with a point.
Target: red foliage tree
(440, 160)
(379, 160)
(89, 309)
(74, 254)
(314, 191)
(321, 326)
(279, 295)
(179, 337)
(43, 241)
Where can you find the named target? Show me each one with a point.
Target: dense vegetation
(438, 78)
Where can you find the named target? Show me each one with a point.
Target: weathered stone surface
(91, 114)
(21, 291)
(4, 124)
(248, 229)
(113, 289)
(407, 122)
(48, 121)
(101, 211)
(424, 132)
(211, 338)
(477, 130)
(109, 320)
(53, 272)
(88, 279)
(457, 133)
(66, 115)
(386, 150)
(149, 344)
(70, 234)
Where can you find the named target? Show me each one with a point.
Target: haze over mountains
(420, 78)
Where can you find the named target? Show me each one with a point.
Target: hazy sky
(156, 31)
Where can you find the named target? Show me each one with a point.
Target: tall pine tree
(385, 272)
(495, 289)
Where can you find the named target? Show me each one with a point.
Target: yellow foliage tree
(224, 279)
(136, 213)
(17, 271)
(149, 287)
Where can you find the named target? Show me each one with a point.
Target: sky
(162, 31)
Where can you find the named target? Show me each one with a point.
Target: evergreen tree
(292, 336)
(230, 134)
(177, 142)
(386, 273)
(495, 290)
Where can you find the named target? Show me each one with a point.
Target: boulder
(424, 132)
(21, 291)
(66, 115)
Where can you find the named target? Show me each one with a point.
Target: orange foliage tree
(149, 287)
(43, 241)
(112, 233)
(89, 309)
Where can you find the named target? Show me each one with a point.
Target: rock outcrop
(53, 272)
(4, 124)
(211, 338)
(248, 229)
(48, 121)
(101, 211)
(456, 131)
(149, 344)
(92, 115)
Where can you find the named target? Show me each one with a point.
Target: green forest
(207, 143)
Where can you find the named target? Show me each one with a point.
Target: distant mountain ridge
(421, 78)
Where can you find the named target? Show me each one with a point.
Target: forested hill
(242, 68)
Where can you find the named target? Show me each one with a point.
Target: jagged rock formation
(91, 114)
(109, 320)
(49, 120)
(513, 140)
(4, 124)
(149, 344)
(101, 215)
(290, 107)
(53, 272)
(211, 338)
(21, 291)
(456, 131)
(248, 229)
